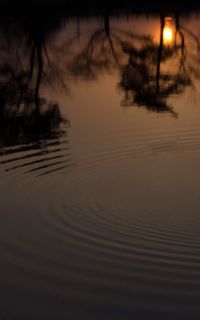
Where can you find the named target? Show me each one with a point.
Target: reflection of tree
(25, 126)
(147, 79)
(150, 72)
(39, 66)
(20, 88)
(189, 45)
(27, 118)
(101, 53)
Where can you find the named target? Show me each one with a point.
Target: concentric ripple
(111, 239)
(147, 144)
(41, 158)
(80, 248)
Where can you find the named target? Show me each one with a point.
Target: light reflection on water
(99, 158)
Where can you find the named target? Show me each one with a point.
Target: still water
(100, 168)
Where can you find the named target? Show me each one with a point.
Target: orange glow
(168, 35)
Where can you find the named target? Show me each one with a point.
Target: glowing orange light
(168, 35)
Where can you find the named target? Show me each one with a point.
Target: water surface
(99, 168)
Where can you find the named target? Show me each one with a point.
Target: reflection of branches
(141, 61)
(194, 37)
(144, 80)
(139, 89)
(100, 53)
(30, 120)
(189, 63)
(29, 127)
(26, 118)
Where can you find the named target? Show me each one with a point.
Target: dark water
(99, 168)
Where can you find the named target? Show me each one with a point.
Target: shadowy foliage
(27, 118)
(25, 115)
(143, 64)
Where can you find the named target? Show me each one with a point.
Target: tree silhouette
(28, 119)
(147, 79)
(142, 78)
(102, 52)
